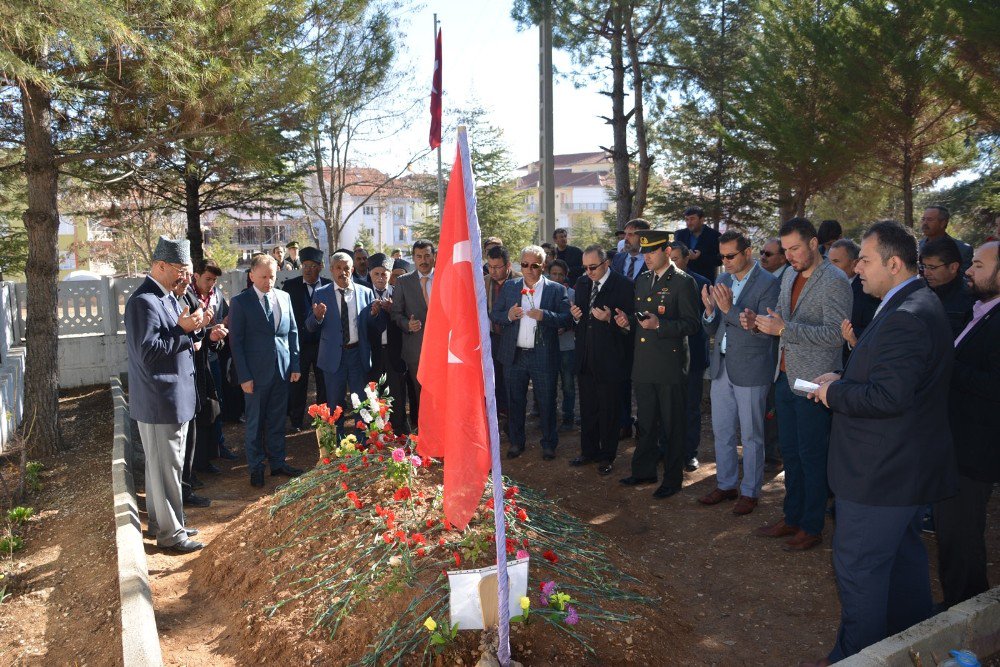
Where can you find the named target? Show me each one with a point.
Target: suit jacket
(603, 347)
(661, 356)
(708, 245)
(974, 400)
(260, 352)
(302, 306)
(964, 250)
(890, 444)
(161, 377)
(750, 357)
(957, 299)
(698, 343)
(393, 339)
(408, 299)
(331, 337)
(573, 257)
(554, 305)
(862, 311)
(812, 342)
(621, 261)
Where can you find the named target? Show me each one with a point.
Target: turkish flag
(436, 95)
(453, 420)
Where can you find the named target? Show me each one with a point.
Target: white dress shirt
(273, 300)
(527, 326)
(351, 296)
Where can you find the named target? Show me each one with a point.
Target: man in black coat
(890, 447)
(387, 345)
(940, 264)
(601, 356)
(844, 254)
(570, 254)
(300, 290)
(974, 411)
(702, 241)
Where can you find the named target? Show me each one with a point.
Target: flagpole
(489, 384)
(440, 174)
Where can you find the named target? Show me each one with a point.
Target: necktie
(310, 288)
(593, 295)
(345, 327)
(631, 267)
(268, 313)
(174, 304)
(423, 288)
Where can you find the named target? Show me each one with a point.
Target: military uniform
(659, 371)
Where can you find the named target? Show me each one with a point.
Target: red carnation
(326, 460)
(458, 559)
(336, 413)
(402, 493)
(522, 515)
(342, 467)
(550, 556)
(511, 492)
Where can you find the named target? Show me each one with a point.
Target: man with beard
(410, 299)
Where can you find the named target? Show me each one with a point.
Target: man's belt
(350, 346)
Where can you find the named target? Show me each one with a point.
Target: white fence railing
(11, 366)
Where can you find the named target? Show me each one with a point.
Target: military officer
(666, 313)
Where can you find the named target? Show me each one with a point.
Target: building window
(401, 234)
(368, 210)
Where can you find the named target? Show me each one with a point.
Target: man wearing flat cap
(666, 313)
(162, 393)
(300, 290)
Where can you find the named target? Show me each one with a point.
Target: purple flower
(572, 618)
(548, 588)
(543, 601)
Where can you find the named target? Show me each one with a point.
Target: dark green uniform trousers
(660, 418)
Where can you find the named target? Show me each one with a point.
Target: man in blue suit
(343, 313)
(265, 344)
(162, 393)
(890, 446)
(530, 311)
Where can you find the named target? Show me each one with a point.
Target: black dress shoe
(548, 454)
(209, 468)
(580, 461)
(691, 465)
(605, 468)
(197, 483)
(194, 500)
(287, 471)
(185, 546)
(665, 491)
(633, 481)
(514, 452)
(257, 478)
(226, 454)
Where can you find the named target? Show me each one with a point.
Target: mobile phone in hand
(642, 315)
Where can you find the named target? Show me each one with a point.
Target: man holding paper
(890, 447)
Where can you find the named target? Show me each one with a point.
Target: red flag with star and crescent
(453, 419)
(436, 95)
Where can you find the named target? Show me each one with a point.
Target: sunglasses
(731, 256)
(533, 265)
(593, 267)
(768, 253)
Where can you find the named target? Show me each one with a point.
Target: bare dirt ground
(738, 599)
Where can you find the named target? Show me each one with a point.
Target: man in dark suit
(387, 342)
(570, 254)
(265, 344)
(498, 272)
(162, 394)
(940, 262)
(702, 240)
(974, 411)
(410, 297)
(343, 313)
(301, 290)
(360, 274)
(680, 255)
(601, 356)
(890, 447)
(531, 310)
(844, 254)
(666, 313)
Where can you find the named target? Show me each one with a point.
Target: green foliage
(10, 543)
(19, 515)
(220, 246)
(31, 475)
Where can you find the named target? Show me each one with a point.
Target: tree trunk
(41, 220)
(192, 206)
(641, 142)
(907, 186)
(720, 110)
(619, 121)
(786, 203)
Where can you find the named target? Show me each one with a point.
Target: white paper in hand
(805, 385)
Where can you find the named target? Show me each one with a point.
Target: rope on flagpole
(489, 382)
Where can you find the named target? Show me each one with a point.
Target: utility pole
(546, 175)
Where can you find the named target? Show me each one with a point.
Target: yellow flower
(525, 603)
(430, 624)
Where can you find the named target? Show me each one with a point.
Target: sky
(488, 60)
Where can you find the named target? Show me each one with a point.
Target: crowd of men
(877, 362)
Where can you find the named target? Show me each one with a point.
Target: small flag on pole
(436, 95)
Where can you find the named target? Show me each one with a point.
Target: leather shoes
(578, 461)
(665, 491)
(286, 470)
(196, 483)
(803, 541)
(718, 495)
(625, 433)
(744, 505)
(226, 454)
(631, 480)
(257, 478)
(185, 546)
(514, 452)
(548, 454)
(209, 468)
(151, 534)
(691, 465)
(605, 468)
(779, 529)
(194, 500)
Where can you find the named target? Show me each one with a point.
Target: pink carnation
(398, 455)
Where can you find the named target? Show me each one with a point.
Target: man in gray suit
(162, 393)
(410, 297)
(815, 298)
(742, 370)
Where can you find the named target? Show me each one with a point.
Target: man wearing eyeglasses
(772, 258)
(940, 261)
(666, 313)
(530, 311)
(602, 356)
(162, 393)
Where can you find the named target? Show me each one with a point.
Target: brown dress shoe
(803, 541)
(744, 505)
(780, 529)
(718, 495)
